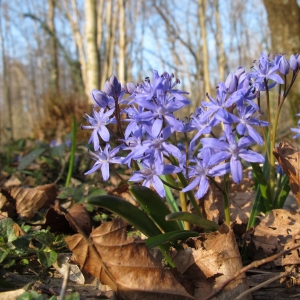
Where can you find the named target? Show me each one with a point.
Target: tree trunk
(122, 43)
(202, 24)
(54, 73)
(284, 24)
(92, 58)
(219, 41)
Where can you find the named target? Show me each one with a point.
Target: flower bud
(294, 63)
(100, 98)
(231, 83)
(239, 72)
(112, 87)
(128, 88)
(284, 66)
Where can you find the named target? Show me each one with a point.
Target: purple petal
(251, 156)
(104, 133)
(192, 185)
(214, 144)
(105, 171)
(93, 169)
(236, 170)
(219, 170)
(203, 187)
(158, 185)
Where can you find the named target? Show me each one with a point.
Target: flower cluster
(146, 126)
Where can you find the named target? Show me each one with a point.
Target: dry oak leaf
(125, 264)
(208, 261)
(277, 231)
(29, 200)
(241, 201)
(289, 160)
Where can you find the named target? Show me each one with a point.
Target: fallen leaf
(81, 217)
(61, 266)
(289, 160)
(208, 261)
(28, 201)
(11, 295)
(57, 223)
(125, 264)
(278, 230)
(241, 200)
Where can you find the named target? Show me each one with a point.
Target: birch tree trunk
(202, 24)
(219, 41)
(122, 42)
(6, 87)
(92, 57)
(54, 72)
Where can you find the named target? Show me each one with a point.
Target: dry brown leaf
(135, 273)
(278, 230)
(28, 201)
(209, 261)
(61, 266)
(289, 160)
(81, 217)
(11, 295)
(241, 200)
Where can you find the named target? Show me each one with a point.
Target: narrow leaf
(128, 212)
(263, 186)
(154, 206)
(30, 157)
(172, 236)
(283, 192)
(193, 219)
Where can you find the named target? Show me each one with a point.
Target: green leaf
(30, 157)
(44, 237)
(283, 192)
(263, 187)
(193, 219)
(154, 206)
(47, 256)
(133, 216)
(168, 237)
(256, 208)
(128, 212)
(73, 296)
(169, 195)
(58, 150)
(32, 295)
(21, 243)
(3, 254)
(80, 193)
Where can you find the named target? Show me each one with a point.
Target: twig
(254, 264)
(65, 282)
(255, 288)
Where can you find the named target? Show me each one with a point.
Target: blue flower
(150, 175)
(233, 151)
(201, 170)
(265, 70)
(247, 121)
(98, 123)
(103, 159)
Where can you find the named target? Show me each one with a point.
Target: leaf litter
(129, 267)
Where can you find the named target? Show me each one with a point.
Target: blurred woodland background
(54, 52)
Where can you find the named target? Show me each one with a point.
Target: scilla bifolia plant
(147, 144)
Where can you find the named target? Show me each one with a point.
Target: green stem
(190, 194)
(182, 197)
(272, 142)
(73, 148)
